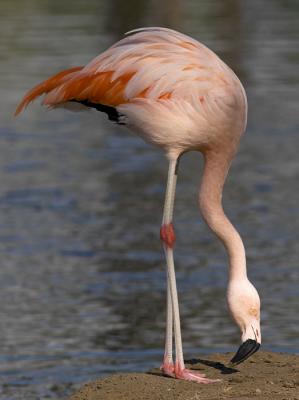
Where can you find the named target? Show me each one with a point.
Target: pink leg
(167, 237)
(168, 366)
(173, 317)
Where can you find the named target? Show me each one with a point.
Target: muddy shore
(266, 375)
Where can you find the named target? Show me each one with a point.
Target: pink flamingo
(178, 95)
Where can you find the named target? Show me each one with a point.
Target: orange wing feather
(45, 87)
(97, 88)
(74, 84)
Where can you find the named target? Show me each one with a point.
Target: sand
(266, 375)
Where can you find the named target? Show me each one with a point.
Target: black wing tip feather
(113, 114)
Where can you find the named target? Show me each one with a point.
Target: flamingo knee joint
(167, 235)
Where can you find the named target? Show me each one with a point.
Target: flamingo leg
(168, 365)
(169, 368)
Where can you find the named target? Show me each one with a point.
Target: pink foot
(167, 368)
(191, 375)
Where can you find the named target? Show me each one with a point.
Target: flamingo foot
(191, 375)
(167, 368)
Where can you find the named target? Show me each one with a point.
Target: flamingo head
(244, 306)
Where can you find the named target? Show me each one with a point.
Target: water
(82, 273)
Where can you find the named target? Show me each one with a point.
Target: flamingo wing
(150, 63)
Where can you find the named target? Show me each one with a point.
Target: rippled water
(82, 272)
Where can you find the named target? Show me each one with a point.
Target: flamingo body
(178, 95)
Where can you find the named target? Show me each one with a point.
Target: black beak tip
(246, 349)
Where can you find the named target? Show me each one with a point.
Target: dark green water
(82, 283)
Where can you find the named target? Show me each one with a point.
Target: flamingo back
(152, 70)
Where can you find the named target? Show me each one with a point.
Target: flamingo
(178, 95)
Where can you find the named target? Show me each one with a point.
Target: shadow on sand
(214, 364)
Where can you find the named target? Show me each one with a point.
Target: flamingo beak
(246, 350)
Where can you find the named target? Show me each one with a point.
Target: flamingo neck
(210, 200)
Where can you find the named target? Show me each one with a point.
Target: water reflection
(82, 273)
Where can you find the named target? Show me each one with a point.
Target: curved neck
(210, 200)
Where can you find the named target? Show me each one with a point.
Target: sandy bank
(265, 376)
